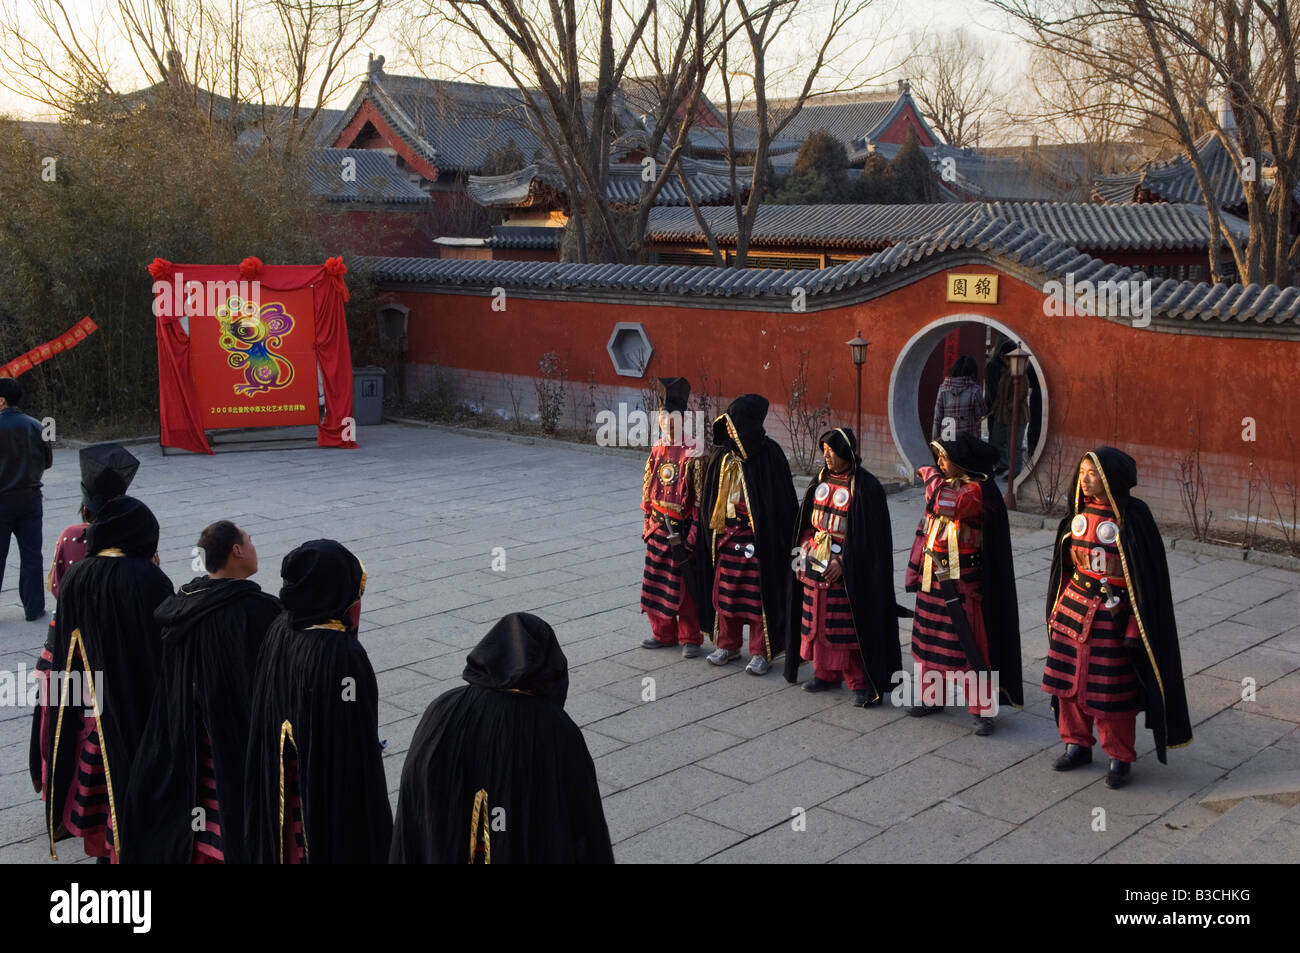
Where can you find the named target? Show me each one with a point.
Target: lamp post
(858, 348)
(1017, 361)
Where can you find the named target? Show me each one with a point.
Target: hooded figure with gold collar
(746, 518)
(843, 616)
(1113, 648)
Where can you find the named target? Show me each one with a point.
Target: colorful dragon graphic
(249, 334)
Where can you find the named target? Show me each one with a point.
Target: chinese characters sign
(973, 289)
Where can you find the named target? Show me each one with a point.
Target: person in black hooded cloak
(196, 741)
(843, 596)
(967, 618)
(106, 653)
(1110, 614)
(746, 515)
(315, 790)
(497, 772)
(107, 470)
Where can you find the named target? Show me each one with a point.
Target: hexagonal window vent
(629, 349)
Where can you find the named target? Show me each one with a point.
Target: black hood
(1119, 475)
(322, 580)
(969, 452)
(843, 441)
(520, 654)
(197, 599)
(740, 429)
(126, 524)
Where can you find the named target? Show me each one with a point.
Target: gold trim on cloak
(1134, 592)
(479, 832)
(77, 643)
(286, 731)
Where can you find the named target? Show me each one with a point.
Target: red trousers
(730, 629)
(982, 642)
(683, 628)
(1117, 734)
(854, 675)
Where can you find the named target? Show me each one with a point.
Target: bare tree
(952, 78)
(750, 69)
(286, 53)
(1173, 61)
(569, 60)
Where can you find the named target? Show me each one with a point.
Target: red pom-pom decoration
(161, 269)
(250, 267)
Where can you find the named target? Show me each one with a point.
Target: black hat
(969, 452)
(322, 580)
(843, 441)
(107, 470)
(673, 393)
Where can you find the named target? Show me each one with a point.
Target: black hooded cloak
(106, 613)
(212, 630)
(868, 566)
(1001, 608)
(769, 492)
(497, 772)
(315, 696)
(1146, 571)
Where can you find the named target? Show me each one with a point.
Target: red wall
(1106, 382)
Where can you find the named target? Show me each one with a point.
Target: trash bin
(368, 395)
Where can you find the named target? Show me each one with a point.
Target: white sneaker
(758, 665)
(723, 656)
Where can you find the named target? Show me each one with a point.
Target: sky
(888, 35)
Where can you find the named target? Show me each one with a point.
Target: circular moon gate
(913, 445)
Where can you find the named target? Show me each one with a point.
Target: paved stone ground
(713, 769)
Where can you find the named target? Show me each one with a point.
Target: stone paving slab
(712, 768)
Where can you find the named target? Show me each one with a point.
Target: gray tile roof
(455, 125)
(377, 181)
(528, 237)
(847, 118)
(1174, 179)
(1083, 225)
(541, 183)
(1015, 247)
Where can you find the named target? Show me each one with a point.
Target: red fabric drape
(178, 407)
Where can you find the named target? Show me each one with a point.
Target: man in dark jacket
(188, 785)
(24, 458)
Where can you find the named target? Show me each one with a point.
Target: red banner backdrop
(257, 334)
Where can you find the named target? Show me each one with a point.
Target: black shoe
(1119, 774)
(920, 711)
(1075, 757)
(656, 644)
(816, 684)
(983, 726)
(39, 615)
(864, 699)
